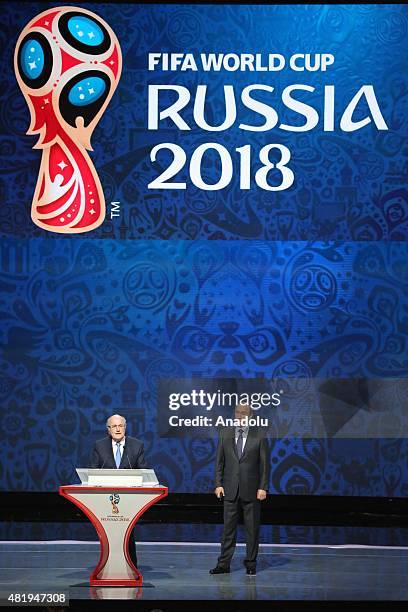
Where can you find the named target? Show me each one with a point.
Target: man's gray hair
(113, 415)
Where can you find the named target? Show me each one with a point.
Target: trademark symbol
(115, 209)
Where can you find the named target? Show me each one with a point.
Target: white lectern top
(117, 477)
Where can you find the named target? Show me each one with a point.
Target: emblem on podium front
(114, 500)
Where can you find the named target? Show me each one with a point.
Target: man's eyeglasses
(116, 426)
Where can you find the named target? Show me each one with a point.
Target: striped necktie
(240, 443)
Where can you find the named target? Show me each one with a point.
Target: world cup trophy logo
(67, 63)
(114, 500)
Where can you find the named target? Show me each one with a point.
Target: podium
(114, 511)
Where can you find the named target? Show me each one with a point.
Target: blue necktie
(240, 443)
(118, 458)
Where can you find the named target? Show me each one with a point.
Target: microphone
(130, 465)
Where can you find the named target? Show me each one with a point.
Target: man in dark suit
(241, 478)
(119, 451)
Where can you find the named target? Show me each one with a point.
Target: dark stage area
(196, 508)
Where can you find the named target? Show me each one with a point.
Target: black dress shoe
(251, 571)
(220, 570)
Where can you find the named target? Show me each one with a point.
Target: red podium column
(114, 511)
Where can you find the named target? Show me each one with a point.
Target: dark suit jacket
(250, 473)
(133, 454)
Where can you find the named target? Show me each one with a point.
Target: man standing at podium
(119, 451)
(241, 479)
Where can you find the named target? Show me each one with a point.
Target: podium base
(119, 582)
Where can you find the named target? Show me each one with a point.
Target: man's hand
(261, 494)
(219, 491)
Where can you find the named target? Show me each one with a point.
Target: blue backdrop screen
(236, 282)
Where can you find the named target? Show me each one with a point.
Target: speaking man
(241, 478)
(119, 451)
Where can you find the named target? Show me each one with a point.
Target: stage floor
(175, 571)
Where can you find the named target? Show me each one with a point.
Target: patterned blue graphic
(90, 327)
(306, 282)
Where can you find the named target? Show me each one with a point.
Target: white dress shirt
(244, 435)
